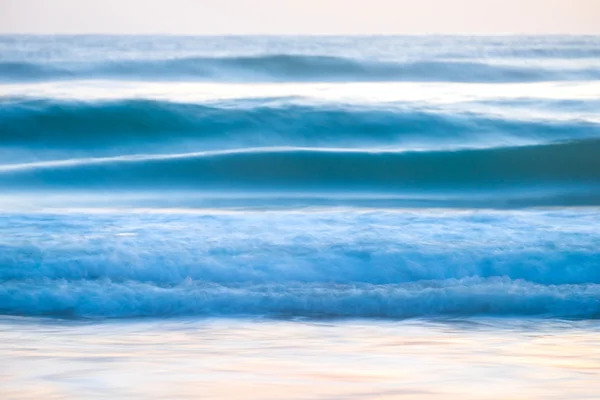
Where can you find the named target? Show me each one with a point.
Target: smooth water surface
(261, 359)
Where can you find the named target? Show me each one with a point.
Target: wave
(336, 264)
(468, 297)
(533, 167)
(290, 67)
(138, 124)
(231, 258)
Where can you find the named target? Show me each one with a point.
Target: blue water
(351, 189)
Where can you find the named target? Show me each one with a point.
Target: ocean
(266, 217)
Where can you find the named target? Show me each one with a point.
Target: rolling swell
(289, 67)
(568, 163)
(78, 125)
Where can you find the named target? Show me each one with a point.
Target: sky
(300, 16)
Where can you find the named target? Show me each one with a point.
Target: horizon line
(380, 34)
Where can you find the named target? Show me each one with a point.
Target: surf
(370, 264)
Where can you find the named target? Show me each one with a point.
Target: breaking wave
(372, 264)
(468, 297)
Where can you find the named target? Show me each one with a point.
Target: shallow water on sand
(271, 359)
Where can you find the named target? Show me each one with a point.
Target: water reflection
(257, 359)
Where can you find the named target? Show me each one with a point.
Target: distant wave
(289, 67)
(568, 163)
(75, 125)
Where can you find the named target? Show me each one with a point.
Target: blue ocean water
(318, 186)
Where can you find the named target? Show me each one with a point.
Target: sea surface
(300, 217)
